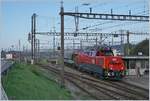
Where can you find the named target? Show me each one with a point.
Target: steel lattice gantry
(89, 34)
(108, 16)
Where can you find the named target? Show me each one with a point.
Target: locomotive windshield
(108, 53)
(104, 53)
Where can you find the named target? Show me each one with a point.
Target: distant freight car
(9, 56)
(102, 63)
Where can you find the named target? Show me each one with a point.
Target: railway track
(87, 87)
(100, 89)
(73, 82)
(132, 89)
(120, 85)
(122, 91)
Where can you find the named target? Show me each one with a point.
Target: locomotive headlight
(109, 74)
(121, 68)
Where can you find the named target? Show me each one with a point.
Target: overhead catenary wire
(100, 4)
(99, 24)
(95, 25)
(109, 22)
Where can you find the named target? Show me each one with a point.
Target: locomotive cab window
(104, 52)
(108, 53)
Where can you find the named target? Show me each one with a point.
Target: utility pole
(101, 37)
(19, 51)
(128, 43)
(73, 44)
(54, 41)
(34, 31)
(26, 51)
(112, 40)
(62, 44)
(33, 39)
(38, 49)
(122, 46)
(109, 43)
(127, 53)
(32, 57)
(81, 44)
(96, 42)
(23, 52)
(87, 34)
(76, 22)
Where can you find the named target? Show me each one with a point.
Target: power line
(95, 25)
(130, 23)
(127, 5)
(100, 4)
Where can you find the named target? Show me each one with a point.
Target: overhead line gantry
(108, 16)
(89, 34)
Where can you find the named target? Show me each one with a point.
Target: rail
(4, 67)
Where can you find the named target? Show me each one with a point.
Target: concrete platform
(142, 81)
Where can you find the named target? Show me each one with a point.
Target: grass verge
(26, 82)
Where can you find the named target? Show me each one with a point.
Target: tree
(141, 47)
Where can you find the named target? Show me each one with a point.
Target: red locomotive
(102, 63)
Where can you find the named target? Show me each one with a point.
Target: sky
(15, 18)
